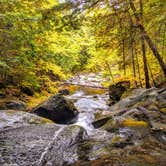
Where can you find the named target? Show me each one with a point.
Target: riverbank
(130, 132)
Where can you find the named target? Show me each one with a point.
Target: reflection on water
(87, 90)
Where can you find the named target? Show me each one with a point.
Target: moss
(163, 110)
(99, 116)
(141, 159)
(116, 139)
(35, 100)
(111, 125)
(153, 107)
(134, 123)
(39, 120)
(44, 121)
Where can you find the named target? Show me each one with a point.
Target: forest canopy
(42, 41)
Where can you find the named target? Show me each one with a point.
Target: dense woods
(44, 41)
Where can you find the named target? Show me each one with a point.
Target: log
(84, 85)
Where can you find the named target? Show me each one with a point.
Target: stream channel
(90, 102)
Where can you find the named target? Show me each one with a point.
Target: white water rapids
(88, 106)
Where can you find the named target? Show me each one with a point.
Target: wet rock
(161, 99)
(27, 90)
(95, 96)
(2, 85)
(14, 118)
(116, 91)
(64, 92)
(23, 137)
(27, 139)
(121, 142)
(2, 95)
(58, 109)
(160, 135)
(92, 149)
(64, 147)
(100, 122)
(111, 125)
(148, 95)
(135, 131)
(15, 105)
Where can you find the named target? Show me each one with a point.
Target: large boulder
(27, 139)
(27, 90)
(64, 92)
(116, 91)
(64, 148)
(58, 109)
(14, 105)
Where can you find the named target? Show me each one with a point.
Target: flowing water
(89, 102)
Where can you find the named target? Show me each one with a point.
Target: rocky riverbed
(132, 132)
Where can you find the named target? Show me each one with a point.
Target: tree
(147, 38)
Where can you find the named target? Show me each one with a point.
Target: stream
(90, 102)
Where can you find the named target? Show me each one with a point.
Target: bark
(123, 42)
(138, 68)
(146, 72)
(124, 57)
(132, 47)
(163, 46)
(147, 83)
(147, 38)
(109, 69)
(150, 70)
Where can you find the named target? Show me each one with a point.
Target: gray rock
(15, 105)
(23, 137)
(58, 109)
(26, 139)
(64, 92)
(64, 147)
(100, 122)
(115, 92)
(148, 95)
(2, 95)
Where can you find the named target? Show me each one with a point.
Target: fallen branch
(83, 85)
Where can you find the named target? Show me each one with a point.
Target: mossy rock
(163, 110)
(153, 107)
(141, 160)
(134, 123)
(101, 120)
(111, 125)
(39, 120)
(116, 139)
(58, 109)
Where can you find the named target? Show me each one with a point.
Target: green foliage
(42, 41)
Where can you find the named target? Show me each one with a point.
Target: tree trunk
(147, 38)
(146, 72)
(132, 47)
(124, 58)
(150, 70)
(147, 83)
(109, 69)
(139, 74)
